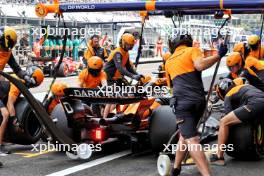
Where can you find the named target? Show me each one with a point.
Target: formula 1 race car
(73, 113)
(67, 67)
(128, 124)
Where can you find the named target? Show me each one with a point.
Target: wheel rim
(84, 151)
(72, 156)
(259, 133)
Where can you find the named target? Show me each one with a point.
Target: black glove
(142, 76)
(222, 50)
(30, 82)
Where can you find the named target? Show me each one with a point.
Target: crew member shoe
(175, 171)
(215, 160)
(3, 150)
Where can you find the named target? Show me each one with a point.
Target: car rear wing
(99, 96)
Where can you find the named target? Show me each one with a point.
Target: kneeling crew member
(251, 68)
(35, 73)
(57, 90)
(243, 104)
(184, 68)
(92, 77)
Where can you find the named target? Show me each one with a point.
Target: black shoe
(3, 150)
(175, 172)
(215, 160)
(1, 164)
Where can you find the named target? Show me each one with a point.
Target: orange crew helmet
(127, 41)
(36, 73)
(253, 40)
(8, 38)
(239, 47)
(234, 59)
(95, 63)
(58, 88)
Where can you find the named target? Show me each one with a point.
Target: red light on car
(99, 134)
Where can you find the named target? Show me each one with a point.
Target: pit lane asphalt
(143, 163)
(23, 162)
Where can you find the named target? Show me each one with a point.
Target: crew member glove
(30, 82)
(142, 76)
(222, 50)
(137, 77)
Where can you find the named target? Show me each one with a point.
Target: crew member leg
(229, 120)
(5, 115)
(226, 122)
(181, 152)
(198, 156)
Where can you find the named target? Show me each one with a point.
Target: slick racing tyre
(162, 127)
(28, 131)
(246, 140)
(62, 121)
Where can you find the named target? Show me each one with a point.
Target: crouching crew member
(92, 77)
(251, 68)
(57, 90)
(184, 68)
(14, 92)
(243, 104)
